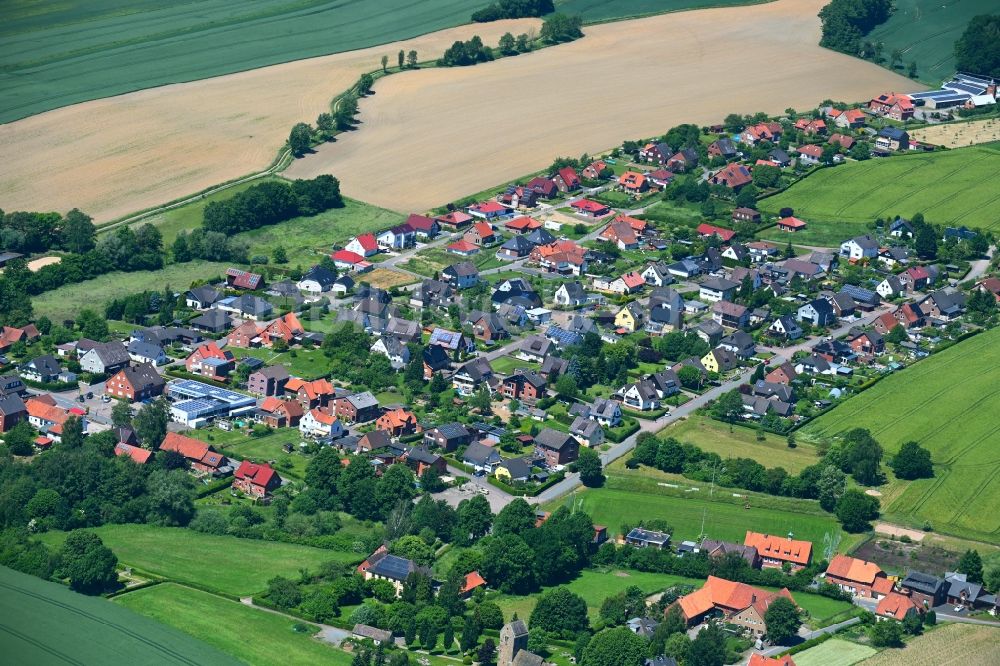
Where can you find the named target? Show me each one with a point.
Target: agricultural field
(926, 30)
(66, 301)
(46, 623)
(715, 437)
(958, 135)
(921, 404)
(229, 626)
(834, 652)
(386, 278)
(630, 495)
(405, 115)
(60, 53)
(964, 644)
(958, 187)
(607, 10)
(163, 144)
(223, 563)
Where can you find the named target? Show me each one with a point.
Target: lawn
(945, 403)
(965, 644)
(57, 53)
(955, 187)
(505, 365)
(65, 302)
(926, 30)
(305, 363)
(223, 563)
(595, 586)
(255, 636)
(266, 448)
(715, 437)
(629, 496)
(817, 234)
(834, 652)
(46, 623)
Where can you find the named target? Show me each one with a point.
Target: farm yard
(926, 30)
(223, 563)
(87, 630)
(960, 187)
(921, 404)
(958, 644)
(958, 135)
(78, 51)
(712, 436)
(161, 144)
(227, 624)
(834, 652)
(419, 113)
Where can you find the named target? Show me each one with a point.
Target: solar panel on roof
(948, 99)
(392, 566)
(972, 88)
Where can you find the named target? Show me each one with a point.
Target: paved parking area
(496, 497)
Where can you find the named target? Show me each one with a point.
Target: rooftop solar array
(971, 88)
(196, 407)
(392, 566)
(191, 389)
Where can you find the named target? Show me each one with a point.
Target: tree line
(272, 202)
(511, 9)
(26, 232)
(846, 22)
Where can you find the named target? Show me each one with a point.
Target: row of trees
(846, 22)
(511, 9)
(272, 202)
(462, 54)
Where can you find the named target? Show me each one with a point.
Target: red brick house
(279, 413)
(867, 343)
(10, 335)
(734, 176)
(593, 170)
(12, 411)
(783, 374)
(885, 323)
(567, 179)
(210, 361)
(202, 457)
(525, 386)
(633, 182)
(316, 393)
(256, 480)
(895, 606)
(398, 422)
(558, 448)
(776, 550)
(481, 234)
(136, 383)
(909, 315)
(858, 577)
(357, 407)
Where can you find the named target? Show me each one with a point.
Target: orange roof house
(522, 225)
(397, 422)
(286, 328)
(791, 224)
(858, 577)
(637, 225)
(736, 602)
(895, 606)
(776, 550)
(201, 456)
(136, 453)
(709, 230)
(472, 581)
(633, 181)
(621, 234)
(761, 660)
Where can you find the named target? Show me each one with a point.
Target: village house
(858, 578)
(255, 480)
(44, 369)
(730, 315)
(461, 275)
(278, 413)
(523, 385)
(587, 432)
(398, 422)
(267, 381)
(448, 436)
(775, 551)
(809, 154)
(11, 335)
(818, 312)
(895, 606)
(633, 182)
(791, 224)
(656, 153)
(717, 289)
(104, 358)
(924, 589)
(594, 170)
(12, 411)
(567, 179)
(859, 248)
(739, 604)
(136, 383)
(237, 279)
(724, 148)
(786, 328)
(643, 538)
(202, 458)
(766, 131)
(397, 238)
(317, 280)
(631, 317)
(589, 208)
(211, 361)
(557, 448)
(470, 376)
(423, 226)
(380, 565)
(481, 457)
(309, 394)
(321, 424)
(891, 139)
(357, 407)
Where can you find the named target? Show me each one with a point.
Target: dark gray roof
(45, 365)
(11, 404)
(363, 400)
(144, 349)
(143, 375)
(461, 269)
(452, 430)
(922, 582)
(213, 319)
(204, 294)
(553, 439)
(321, 274)
(480, 454)
(519, 468)
(393, 567)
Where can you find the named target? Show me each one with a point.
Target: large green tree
(560, 611)
(782, 621)
(855, 510)
(615, 647)
(912, 462)
(89, 565)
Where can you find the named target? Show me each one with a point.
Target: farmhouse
(858, 577)
(775, 551)
(255, 480)
(734, 176)
(740, 604)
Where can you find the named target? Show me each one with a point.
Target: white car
(959, 609)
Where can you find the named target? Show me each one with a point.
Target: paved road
(327, 633)
(809, 635)
(980, 266)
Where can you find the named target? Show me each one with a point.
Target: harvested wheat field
(119, 155)
(457, 131)
(957, 135)
(949, 645)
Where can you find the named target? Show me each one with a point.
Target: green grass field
(307, 363)
(237, 445)
(713, 436)
(223, 563)
(834, 652)
(631, 495)
(57, 53)
(594, 587)
(45, 623)
(926, 30)
(948, 403)
(65, 302)
(603, 10)
(957, 187)
(255, 636)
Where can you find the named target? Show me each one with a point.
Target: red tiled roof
(728, 595)
(192, 449)
(454, 217)
(779, 548)
(257, 474)
(633, 280)
(472, 581)
(810, 150)
(420, 222)
(463, 246)
(347, 257)
(523, 224)
(895, 605)
(243, 279)
(791, 223)
(488, 207)
(588, 205)
(368, 242)
(761, 660)
(136, 453)
(853, 569)
(712, 230)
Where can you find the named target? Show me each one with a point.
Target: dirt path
(432, 136)
(120, 155)
(897, 531)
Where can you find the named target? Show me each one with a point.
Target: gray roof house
(105, 357)
(481, 456)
